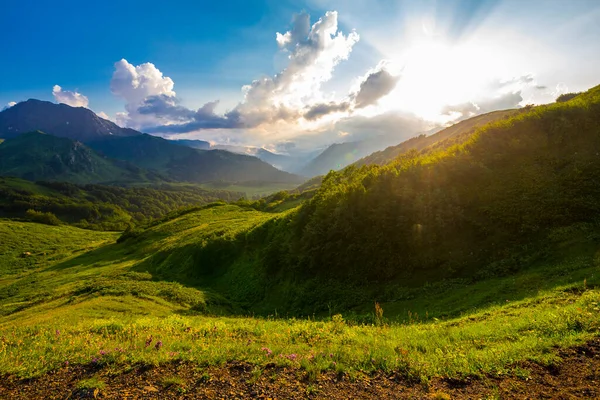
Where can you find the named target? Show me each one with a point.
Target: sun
(435, 73)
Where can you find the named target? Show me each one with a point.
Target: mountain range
(78, 146)
(37, 156)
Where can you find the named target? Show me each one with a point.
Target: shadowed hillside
(38, 156)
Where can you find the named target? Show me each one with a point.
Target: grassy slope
(47, 245)
(103, 207)
(101, 307)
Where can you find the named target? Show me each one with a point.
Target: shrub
(43, 218)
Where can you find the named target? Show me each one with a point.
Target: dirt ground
(576, 377)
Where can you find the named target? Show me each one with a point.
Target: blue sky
(382, 64)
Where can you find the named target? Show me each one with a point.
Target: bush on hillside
(42, 217)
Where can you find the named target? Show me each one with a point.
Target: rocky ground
(576, 377)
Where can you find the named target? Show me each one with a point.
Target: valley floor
(576, 376)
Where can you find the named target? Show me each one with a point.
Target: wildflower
(267, 351)
(102, 353)
(94, 360)
(158, 345)
(148, 341)
(66, 363)
(330, 355)
(57, 332)
(292, 357)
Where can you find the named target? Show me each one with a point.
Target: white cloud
(104, 115)
(67, 97)
(313, 53)
(7, 106)
(503, 101)
(376, 84)
(135, 84)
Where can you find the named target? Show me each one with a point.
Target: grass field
(81, 298)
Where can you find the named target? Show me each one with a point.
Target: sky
(289, 75)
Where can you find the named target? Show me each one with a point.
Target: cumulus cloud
(376, 84)
(467, 109)
(321, 109)
(135, 84)
(104, 115)
(67, 97)
(499, 95)
(503, 101)
(313, 52)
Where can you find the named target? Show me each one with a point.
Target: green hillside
(97, 206)
(37, 156)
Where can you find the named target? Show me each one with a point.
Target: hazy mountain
(195, 144)
(420, 142)
(286, 162)
(339, 155)
(187, 164)
(77, 123)
(37, 156)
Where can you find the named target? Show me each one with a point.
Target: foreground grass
(26, 246)
(489, 341)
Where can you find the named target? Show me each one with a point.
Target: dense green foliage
(566, 97)
(97, 206)
(450, 212)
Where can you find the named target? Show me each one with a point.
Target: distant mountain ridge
(188, 164)
(118, 146)
(77, 123)
(193, 143)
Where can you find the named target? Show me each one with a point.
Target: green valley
(470, 257)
